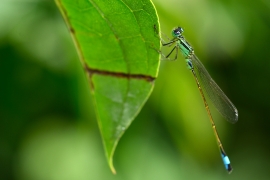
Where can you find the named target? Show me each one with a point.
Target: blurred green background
(48, 128)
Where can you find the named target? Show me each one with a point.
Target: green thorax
(185, 48)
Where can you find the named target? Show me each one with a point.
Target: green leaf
(117, 43)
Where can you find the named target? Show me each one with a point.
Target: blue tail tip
(226, 162)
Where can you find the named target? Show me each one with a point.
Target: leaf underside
(117, 43)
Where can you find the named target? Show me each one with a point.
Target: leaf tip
(111, 166)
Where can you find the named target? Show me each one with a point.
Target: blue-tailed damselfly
(205, 85)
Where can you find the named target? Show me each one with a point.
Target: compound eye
(180, 30)
(177, 31)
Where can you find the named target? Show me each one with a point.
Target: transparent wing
(213, 91)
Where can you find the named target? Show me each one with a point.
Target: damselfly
(205, 85)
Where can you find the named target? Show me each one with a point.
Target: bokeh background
(48, 128)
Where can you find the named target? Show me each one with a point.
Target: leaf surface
(117, 43)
